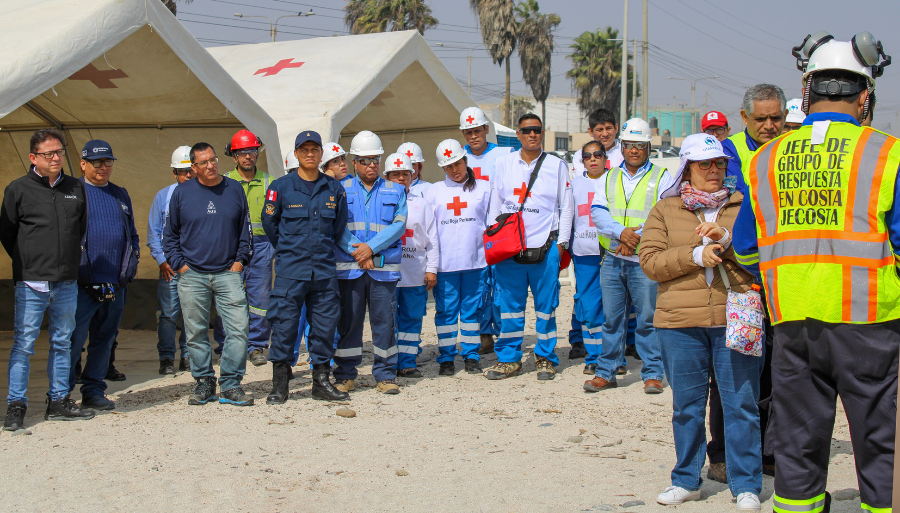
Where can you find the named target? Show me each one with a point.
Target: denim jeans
(100, 321)
(166, 328)
(688, 354)
(197, 291)
(620, 280)
(61, 300)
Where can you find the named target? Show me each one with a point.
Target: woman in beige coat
(686, 255)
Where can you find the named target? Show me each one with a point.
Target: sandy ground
(457, 443)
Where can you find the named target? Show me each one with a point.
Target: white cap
(290, 161)
(449, 151)
(636, 130)
(795, 111)
(397, 162)
(698, 147)
(366, 144)
(181, 157)
(837, 55)
(471, 118)
(330, 151)
(412, 150)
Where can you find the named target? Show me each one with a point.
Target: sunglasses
(706, 164)
(637, 145)
(368, 161)
(531, 130)
(599, 154)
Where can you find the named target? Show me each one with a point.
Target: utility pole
(693, 88)
(705, 102)
(273, 25)
(623, 112)
(634, 83)
(683, 105)
(644, 96)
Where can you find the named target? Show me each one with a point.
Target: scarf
(694, 199)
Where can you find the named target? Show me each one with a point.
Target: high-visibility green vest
(824, 249)
(255, 190)
(635, 210)
(744, 152)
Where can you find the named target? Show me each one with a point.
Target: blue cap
(97, 149)
(308, 135)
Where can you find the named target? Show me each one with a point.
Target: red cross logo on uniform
(335, 149)
(407, 233)
(457, 206)
(100, 78)
(520, 192)
(585, 210)
(479, 176)
(470, 120)
(448, 153)
(398, 162)
(280, 65)
(409, 153)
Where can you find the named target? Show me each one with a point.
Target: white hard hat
(412, 150)
(837, 55)
(331, 151)
(471, 118)
(449, 151)
(636, 130)
(397, 162)
(795, 111)
(290, 161)
(181, 157)
(366, 144)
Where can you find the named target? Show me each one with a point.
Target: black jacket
(41, 227)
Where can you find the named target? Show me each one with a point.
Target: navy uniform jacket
(304, 229)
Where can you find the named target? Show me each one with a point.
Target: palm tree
(536, 48)
(597, 71)
(520, 106)
(498, 31)
(370, 16)
(170, 5)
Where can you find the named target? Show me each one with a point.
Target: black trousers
(813, 363)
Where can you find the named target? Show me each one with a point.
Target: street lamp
(273, 26)
(693, 87)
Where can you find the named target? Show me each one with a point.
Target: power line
(754, 38)
(748, 24)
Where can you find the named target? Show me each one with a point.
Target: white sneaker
(676, 495)
(748, 502)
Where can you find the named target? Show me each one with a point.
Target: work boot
(717, 472)
(204, 392)
(166, 366)
(388, 386)
(597, 384)
(96, 402)
(504, 370)
(345, 385)
(472, 366)
(409, 372)
(66, 409)
(257, 357)
(447, 369)
(578, 351)
(15, 416)
(653, 386)
(487, 344)
(235, 396)
(322, 387)
(590, 369)
(185, 364)
(545, 370)
(280, 380)
(112, 374)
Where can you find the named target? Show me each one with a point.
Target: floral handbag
(743, 311)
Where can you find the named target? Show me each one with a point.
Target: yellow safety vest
(635, 210)
(824, 250)
(255, 190)
(744, 152)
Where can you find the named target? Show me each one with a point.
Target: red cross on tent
(457, 206)
(100, 78)
(448, 153)
(335, 149)
(409, 153)
(520, 192)
(479, 176)
(280, 65)
(585, 210)
(398, 162)
(470, 120)
(407, 233)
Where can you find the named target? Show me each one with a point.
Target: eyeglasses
(716, 131)
(531, 130)
(49, 154)
(242, 153)
(206, 163)
(599, 154)
(627, 145)
(368, 161)
(720, 164)
(101, 162)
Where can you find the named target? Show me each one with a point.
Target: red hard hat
(243, 140)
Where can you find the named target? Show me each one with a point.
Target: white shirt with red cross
(585, 240)
(420, 243)
(614, 158)
(548, 206)
(460, 216)
(483, 165)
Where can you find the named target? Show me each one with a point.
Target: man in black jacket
(42, 220)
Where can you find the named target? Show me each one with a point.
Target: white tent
(128, 72)
(390, 83)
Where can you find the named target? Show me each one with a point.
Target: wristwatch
(565, 245)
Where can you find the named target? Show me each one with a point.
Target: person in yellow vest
(257, 274)
(821, 233)
(620, 206)
(763, 111)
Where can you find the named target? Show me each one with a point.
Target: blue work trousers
(412, 303)
(100, 321)
(61, 301)
(322, 301)
(587, 312)
(512, 283)
(688, 354)
(490, 307)
(621, 280)
(457, 304)
(357, 295)
(257, 276)
(166, 326)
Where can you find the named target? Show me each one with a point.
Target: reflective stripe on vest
(346, 266)
(813, 505)
(365, 221)
(820, 224)
(631, 212)
(744, 152)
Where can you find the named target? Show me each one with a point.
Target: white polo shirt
(584, 233)
(483, 165)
